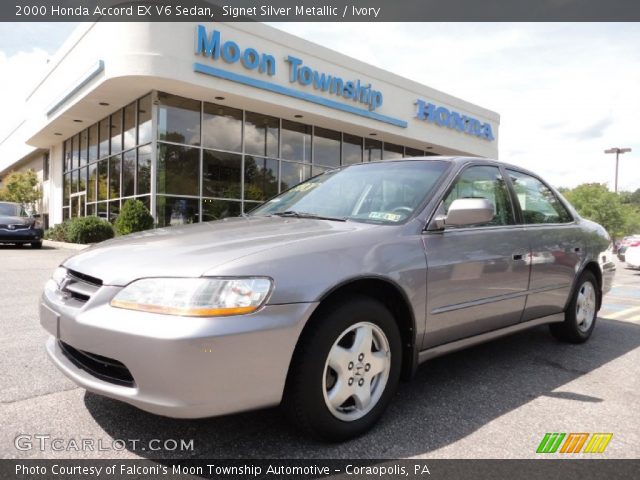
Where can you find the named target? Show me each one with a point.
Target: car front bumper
(26, 235)
(182, 367)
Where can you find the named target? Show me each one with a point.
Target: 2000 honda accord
(325, 296)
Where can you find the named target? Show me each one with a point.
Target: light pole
(617, 151)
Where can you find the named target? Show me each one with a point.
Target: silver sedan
(324, 297)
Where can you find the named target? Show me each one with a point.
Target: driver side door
(478, 275)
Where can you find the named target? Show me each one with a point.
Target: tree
(23, 188)
(595, 202)
(134, 217)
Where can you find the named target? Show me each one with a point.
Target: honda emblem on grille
(12, 227)
(63, 285)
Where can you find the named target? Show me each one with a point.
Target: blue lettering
(306, 75)
(268, 64)
(321, 81)
(376, 100)
(443, 117)
(230, 52)
(293, 71)
(250, 59)
(209, 47)
(349, 90)
(212, 46)
(337, 85)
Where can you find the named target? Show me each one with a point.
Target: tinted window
(222, 127)
(130, 126)
(178, 170)
(176, 211)
(105, 132)
(144, 169)
(260, 178)
(116, 132)
(114, 176)
(144, 120)
(292, 174)
(84, 142)
(372, 150)
(93, 142)
(213, 209)
(128, 173)
(178, 119)
(221, 174)
(296, 141)
(261, 135)
(326, 147)
(483, 182)
(392, 151)
(351, 149)
(537, 202)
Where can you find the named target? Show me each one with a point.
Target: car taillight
(635, 244)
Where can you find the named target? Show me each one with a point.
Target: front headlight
(195, 297)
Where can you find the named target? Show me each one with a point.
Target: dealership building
(202, 121)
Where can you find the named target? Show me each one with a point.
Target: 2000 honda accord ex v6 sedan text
(325, 296)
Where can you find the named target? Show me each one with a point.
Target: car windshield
(385, 192)
(12, 210)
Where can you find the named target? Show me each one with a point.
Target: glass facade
(211, 161)
(102, 163)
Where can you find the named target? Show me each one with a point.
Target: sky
(565, 92)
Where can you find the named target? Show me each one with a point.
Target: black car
(17, 227)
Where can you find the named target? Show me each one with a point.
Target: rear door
(477, 276)
(556, 245)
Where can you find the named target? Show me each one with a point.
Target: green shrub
(58, 233)
(133, 217)
(89, 230)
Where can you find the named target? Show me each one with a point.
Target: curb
(64, 245)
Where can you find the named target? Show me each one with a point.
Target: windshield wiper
(293, 213)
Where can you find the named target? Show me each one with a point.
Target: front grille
(10, 226)
(79, 286)
(104, 368)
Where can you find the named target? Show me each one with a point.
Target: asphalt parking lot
(493, 401)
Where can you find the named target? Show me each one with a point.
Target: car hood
(192, 250)
(9, 220)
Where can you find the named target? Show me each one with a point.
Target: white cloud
(565, 92)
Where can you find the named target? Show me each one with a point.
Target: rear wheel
(580, 317)
(345, 370)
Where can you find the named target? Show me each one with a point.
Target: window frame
(430, 225)
(516, 202)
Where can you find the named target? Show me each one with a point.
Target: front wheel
(580, 317)
(345, 370)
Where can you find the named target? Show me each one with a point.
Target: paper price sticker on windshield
(304, 187)
(391, 217)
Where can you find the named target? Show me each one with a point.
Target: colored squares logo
(574, 443)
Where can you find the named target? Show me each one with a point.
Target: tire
(327, 367)
(581, 314)
(36, 244)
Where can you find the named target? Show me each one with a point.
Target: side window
(483, 182)
(537, 202)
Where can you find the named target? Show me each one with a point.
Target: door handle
(518, 256)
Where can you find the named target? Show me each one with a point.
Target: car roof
(457, 160)
(11, 203)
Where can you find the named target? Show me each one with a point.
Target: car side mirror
(466, 211)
